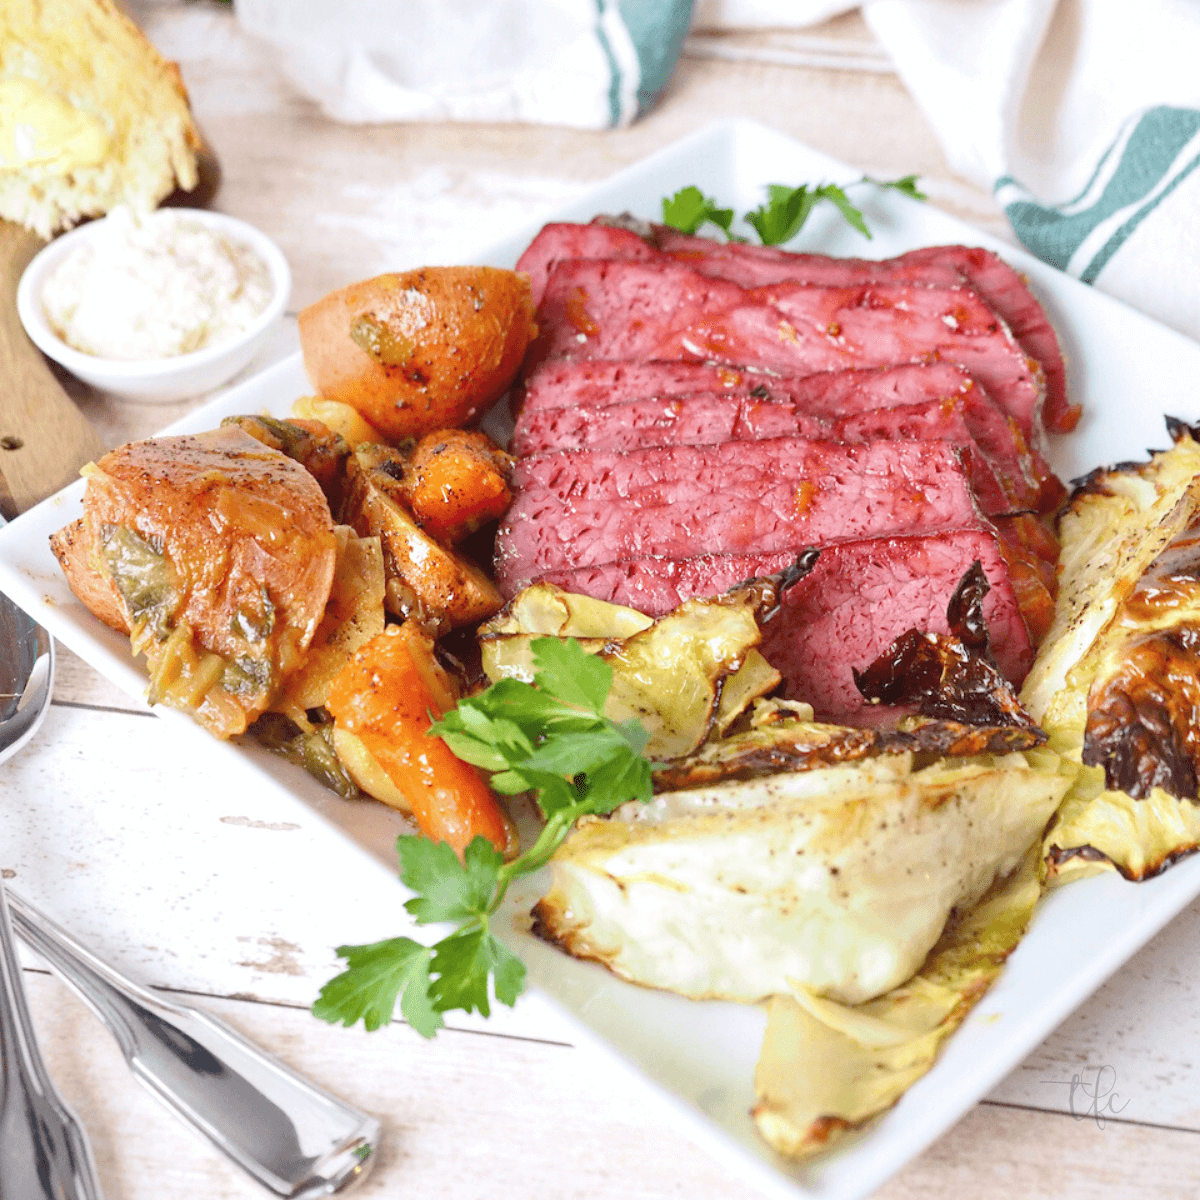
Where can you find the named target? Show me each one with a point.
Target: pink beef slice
(1001, 287)
(862, 595)
(580, 508)
(710, 418)
(564, 384)
(859, 598)
(579, 387)
(637, 311)
(562, 241)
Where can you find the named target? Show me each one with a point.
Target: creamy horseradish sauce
(154, 285)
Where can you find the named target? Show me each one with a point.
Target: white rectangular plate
(1125, 369)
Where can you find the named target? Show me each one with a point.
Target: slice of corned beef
(860, 597)
(579, 508)
(561, 240)
(863, 595)
(622, 310)
(714, 417)
(565, 384)
(1000, 286)
(583, 385)
(1007, 292)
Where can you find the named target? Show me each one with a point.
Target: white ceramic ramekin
(158, 379)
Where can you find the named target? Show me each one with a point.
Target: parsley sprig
(690, 208)
(785, 211)
(549, 737)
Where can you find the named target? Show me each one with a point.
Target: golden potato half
(428, 349)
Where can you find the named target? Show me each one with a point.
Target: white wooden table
(178, 875)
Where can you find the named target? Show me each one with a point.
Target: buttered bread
(91, 115)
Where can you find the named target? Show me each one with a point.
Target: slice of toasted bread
(90, 115)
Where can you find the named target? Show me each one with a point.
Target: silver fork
(44, 1153)
(294, 1138)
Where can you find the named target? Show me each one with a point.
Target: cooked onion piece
(424, 579)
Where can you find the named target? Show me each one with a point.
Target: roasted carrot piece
(384, 696)
(457, 481)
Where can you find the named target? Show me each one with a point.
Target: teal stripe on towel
(1114, 243)
(1152, 148)
(614, 83)
(657, 28)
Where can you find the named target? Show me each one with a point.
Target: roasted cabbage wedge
(1117, 687)
(838, 878)
(827, 1067)
(686, 676)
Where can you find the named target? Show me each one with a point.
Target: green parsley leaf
(690, 208)
(786, 210)
(907, 185)
(551, 738)
(620, 779)
(463, 963)
(567, 671)
(376, 974)
(837, 197)
(448, 890)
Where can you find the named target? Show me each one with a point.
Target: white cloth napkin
(591, 64)
(1083, 116)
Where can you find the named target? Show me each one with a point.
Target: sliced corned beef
(861, 596)
(583, 385)
(623, 310)
(562, 240)
(579, 508)
(567, 384)
(1000, 286)
(715, 417)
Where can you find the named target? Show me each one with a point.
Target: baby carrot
(384, 696)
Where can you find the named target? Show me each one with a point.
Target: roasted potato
(424, 579)
(428, 349)
(217, 554)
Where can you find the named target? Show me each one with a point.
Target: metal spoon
(26, 676)
(294, 1138)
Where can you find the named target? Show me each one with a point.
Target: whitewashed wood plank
(521, 1120)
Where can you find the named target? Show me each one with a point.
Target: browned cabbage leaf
(686, 676)
(1117, 685)
(827, 1067)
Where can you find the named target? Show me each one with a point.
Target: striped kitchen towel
(591, 64)
(1084, 117)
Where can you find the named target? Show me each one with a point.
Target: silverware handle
(44, 1152)
(294, 1138)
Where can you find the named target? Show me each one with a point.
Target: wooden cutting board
(44, 438)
